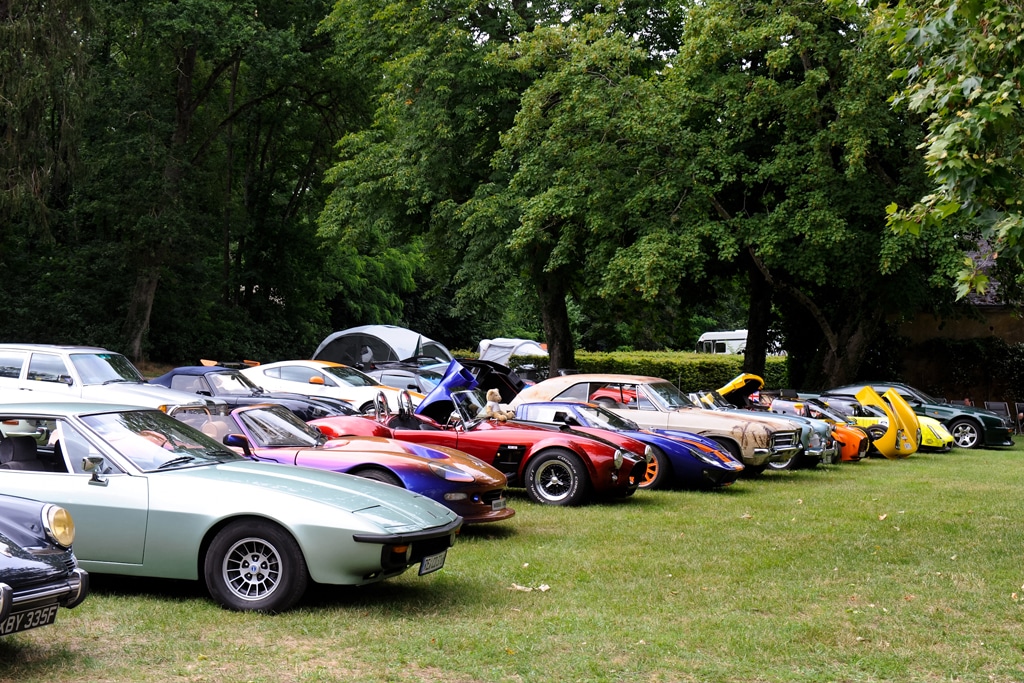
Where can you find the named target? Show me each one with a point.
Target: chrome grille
(784, 440)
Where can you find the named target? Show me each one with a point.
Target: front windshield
(667, 396)
(153, 440)
(100, 368)
(604, 419)
(276, 427)
(917, 394)
(471, 405)
(821, 411)
(350, 376)
(231, 384)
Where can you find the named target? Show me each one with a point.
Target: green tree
(961, 64)
(765, 145)
(211, 124)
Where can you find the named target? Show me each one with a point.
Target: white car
(323, 378)
(39, 372)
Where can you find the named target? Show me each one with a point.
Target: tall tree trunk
(158, 247)
(554, 315)
(140, 307)
(759, 315)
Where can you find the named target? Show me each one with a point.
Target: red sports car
(557, 467)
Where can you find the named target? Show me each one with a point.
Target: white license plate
(22, 621)
(498, 504)
(431, 563)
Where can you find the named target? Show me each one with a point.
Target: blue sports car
(680, 458)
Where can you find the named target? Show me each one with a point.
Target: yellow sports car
(894, 428)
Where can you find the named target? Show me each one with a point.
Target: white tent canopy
(367, 344)
(501, 349)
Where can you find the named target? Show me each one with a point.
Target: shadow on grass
(22, 659)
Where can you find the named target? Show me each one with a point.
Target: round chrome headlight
(58, 525)
(618, 459)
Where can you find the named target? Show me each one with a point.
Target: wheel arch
(360, 470)
(547, 448)
(211, 533)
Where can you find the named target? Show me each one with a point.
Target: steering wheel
(405, 406)
(381, 407)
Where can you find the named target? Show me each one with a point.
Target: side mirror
(238, 441)
(66, 379)
(316, 379)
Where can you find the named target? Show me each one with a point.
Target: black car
(38, 571)
(235, 389)
(971, 427)
(406, 375)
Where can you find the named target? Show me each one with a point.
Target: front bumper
(67, 593)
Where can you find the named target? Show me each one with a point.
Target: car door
(49, 373)
(12, 363)
(110, 509)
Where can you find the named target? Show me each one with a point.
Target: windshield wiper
(119, 380)
(180, 460)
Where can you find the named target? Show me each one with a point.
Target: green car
(152, 496)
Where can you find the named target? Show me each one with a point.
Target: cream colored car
(657, 404)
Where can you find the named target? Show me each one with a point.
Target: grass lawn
(876, 571)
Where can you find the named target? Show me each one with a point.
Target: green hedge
(688, 371)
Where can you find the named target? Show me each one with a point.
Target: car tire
(557, 477)
(874, 432)
(791, 464)
(366, 407)
(659, 471)
(966, 433)
(381, 476)
(254, 565)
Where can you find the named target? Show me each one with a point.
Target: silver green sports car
(152, 496)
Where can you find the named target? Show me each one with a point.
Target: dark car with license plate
(39, 574)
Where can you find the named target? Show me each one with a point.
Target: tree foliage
(961, 64)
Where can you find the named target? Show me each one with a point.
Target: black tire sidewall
(294, 574)
(381, 476)
(578, 485)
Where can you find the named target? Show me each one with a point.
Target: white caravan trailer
(730, 341)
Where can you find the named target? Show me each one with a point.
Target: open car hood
(438, 404)
(737, 391)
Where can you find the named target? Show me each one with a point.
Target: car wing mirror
(95, 465)
(66, 379)
(238, 441)
(316, 379)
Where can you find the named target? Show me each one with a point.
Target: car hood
(393, 508)
(456, 377)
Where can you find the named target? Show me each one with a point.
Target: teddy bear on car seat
(493, 408)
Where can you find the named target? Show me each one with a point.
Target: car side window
(577, 392)
(79, 454)
(46, 367)
(297, 373)
(11, 364)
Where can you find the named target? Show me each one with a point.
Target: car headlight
(619, 457)
(648, 454)
(58, 525)
(815, 440)
(451, 472)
